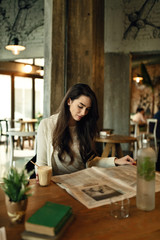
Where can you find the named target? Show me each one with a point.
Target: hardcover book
(48, 219)
(26, 235)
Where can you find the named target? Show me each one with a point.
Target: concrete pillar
(54, 52)
(117, 89)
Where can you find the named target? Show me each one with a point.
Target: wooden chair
(151, 131)
(3, 131)
(134, 131)
(17, 154)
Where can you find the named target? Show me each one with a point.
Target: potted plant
(17, 191)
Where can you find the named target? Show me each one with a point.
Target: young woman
(139, 117)
(65, 140)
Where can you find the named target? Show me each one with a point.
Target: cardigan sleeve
(101, 162)
(44, 140)
(42, 144)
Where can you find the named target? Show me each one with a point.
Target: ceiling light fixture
(15, 47)
(27, 68)
(41, 71)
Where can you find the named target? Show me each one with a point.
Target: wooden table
(113, 143)
(89, 224)
(27, 125)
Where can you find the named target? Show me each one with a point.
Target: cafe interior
(47, 46)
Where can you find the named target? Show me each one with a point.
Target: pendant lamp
(15, 47)
(138, 78)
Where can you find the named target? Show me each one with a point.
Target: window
(39, 97)
(23, 97)
(5, 96)
(25, 100)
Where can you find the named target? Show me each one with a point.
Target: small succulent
(15, 185)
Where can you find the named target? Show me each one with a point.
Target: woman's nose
(84, 112)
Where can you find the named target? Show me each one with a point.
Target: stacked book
(48, 222)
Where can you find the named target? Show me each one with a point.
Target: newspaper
(95, 186)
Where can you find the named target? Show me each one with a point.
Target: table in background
(27, 125)
(89, 224)
(113, 144)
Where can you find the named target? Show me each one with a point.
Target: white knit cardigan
(45, 154)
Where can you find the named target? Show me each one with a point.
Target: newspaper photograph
(95, 186)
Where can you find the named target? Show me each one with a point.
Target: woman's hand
(104, 162)
(127, 160)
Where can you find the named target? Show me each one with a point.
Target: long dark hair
(86, 128)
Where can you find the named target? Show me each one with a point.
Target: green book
(36, 236)
(49, 219)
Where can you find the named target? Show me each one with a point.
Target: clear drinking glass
(120, 208)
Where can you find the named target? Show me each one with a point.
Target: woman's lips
(79, 117)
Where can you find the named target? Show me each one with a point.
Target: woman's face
(79, 108)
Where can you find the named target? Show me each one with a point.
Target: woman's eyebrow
(84, 105)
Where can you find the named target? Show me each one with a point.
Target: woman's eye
(80, 107)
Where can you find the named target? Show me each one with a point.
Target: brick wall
(142, 95)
